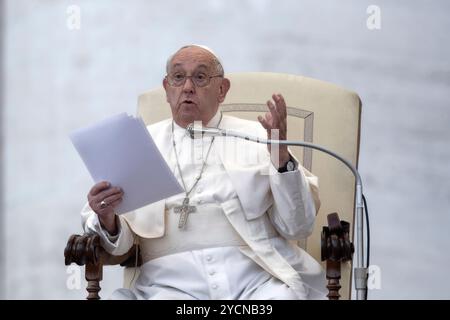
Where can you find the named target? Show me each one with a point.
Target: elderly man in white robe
(229, 235)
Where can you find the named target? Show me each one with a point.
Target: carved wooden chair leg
(94, 274)
(336, 248)
(333, 277)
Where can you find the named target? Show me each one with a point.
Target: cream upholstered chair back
(318, 112)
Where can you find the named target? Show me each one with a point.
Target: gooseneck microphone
(361, 271)
(194, 131)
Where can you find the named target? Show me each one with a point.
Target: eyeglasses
(200, 79)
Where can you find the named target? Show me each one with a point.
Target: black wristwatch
(289, 166)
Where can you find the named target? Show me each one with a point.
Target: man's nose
(189, 85)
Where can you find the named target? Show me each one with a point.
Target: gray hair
(216, 61)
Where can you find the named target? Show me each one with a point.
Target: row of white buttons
(211, 272)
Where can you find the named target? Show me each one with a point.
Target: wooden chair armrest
(86, 250)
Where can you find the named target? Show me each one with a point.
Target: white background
(57, 80)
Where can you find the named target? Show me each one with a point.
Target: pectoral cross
(184, 211)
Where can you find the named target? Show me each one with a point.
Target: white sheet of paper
(119, 149)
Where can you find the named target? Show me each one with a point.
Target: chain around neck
(188, 192)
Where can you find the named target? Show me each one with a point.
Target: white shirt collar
(180, 132)
(214, 122)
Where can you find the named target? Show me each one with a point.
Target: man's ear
(165, 84)
(223, 89)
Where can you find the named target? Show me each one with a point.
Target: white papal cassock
(237, 243)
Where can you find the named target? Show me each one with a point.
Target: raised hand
(276, 119)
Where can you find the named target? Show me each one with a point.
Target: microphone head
(199, 131)
(190, 130)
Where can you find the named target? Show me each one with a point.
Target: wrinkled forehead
(193, 58)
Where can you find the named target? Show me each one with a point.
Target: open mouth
(188, 102)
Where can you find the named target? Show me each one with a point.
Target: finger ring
(103, 204)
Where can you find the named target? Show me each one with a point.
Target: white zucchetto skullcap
(199, 46)
(203, 47)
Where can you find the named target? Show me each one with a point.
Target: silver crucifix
(184, 211)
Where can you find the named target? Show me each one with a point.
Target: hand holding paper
(120, 150)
